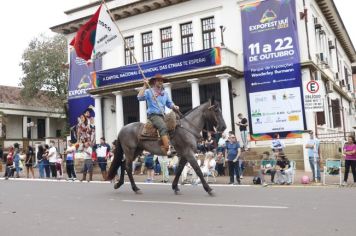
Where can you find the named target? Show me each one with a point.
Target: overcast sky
(20, 24)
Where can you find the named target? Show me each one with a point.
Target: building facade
(155, 30)
(28, 122)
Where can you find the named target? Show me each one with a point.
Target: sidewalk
(247, 180)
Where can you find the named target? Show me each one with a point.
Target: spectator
(29, 162)
(163, 162)
(1, 154)
(350, 159)
(137, 163)
(283, 170)
(156, 166)
(40, 161)
(209, 143)
(209, 164)
(268, 166)
(59, 162)
(220, 162)
(277, 145)
(102, 153)
(17, 159)
(201, 146)
(313, 146)
(70, 161)
(10, 168)
(232, 153)
(243, 123)
(149, 163)
(222, 143)
(52, 158)
(46, 161)
(88, 162)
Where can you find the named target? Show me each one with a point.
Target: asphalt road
(67, 208)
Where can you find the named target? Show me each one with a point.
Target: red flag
(84, 40)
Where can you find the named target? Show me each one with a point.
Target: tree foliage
(44, 67)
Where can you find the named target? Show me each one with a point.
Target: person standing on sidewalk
(243, 123)
(313, 146)
(232, 153)
(88, 162)
(52, 158)
(70, 161)
(102, 153)
(350, 159)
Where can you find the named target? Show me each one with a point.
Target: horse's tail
(117, 161)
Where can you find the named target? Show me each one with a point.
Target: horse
(184, 140)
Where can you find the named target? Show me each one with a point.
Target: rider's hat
(157, 76)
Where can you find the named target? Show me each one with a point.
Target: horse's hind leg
(122, 176)
(129, 174)
(180, 168)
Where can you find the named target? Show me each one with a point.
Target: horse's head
(213, 116)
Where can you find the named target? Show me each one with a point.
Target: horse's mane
(188, 112)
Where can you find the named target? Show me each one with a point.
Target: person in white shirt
(88, 162)
(52, 158)
(208, 166)
(102, 152)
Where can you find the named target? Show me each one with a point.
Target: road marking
(206, 204)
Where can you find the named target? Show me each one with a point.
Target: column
(48, 129)
(225, 99)
(143, 109)
(98, 118)
(195, 92)
(119, 111)
(24, 127)
(168, 89)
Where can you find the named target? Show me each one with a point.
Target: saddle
(149, 132)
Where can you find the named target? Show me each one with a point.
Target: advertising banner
(81, 105)
(272, 69)
(174, 64)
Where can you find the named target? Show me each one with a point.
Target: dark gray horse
(184, 140)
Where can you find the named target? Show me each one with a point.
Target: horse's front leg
(122, 176)
(179, 170)
(198, 171)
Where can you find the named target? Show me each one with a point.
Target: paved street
(74, 208)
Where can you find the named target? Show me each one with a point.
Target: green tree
(44, 68)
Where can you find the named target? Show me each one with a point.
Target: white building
(156, 29)
(28, 122)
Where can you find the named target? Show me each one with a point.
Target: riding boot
(84, 177)
(165, 144)
(90, 176)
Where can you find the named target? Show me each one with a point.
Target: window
(147, 46)
(166, 42)
(208, 27)
(129, 45)
(336, 110)
(320, 118)
(41, 128)
(186, 31)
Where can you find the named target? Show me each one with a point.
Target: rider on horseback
(157, 99)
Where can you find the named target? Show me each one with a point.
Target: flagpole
(133, 55)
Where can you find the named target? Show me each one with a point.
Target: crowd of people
(215, 157)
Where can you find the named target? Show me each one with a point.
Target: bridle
(212, 111)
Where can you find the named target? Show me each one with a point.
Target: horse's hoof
(211, 192)
(176, 190)
(137, 191)
(118, 185)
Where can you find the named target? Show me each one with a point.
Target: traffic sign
(313, 99)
